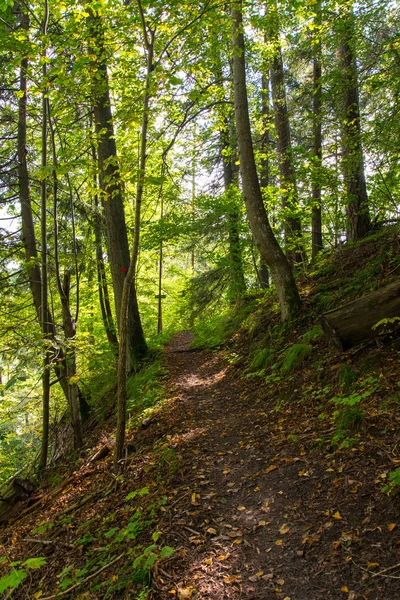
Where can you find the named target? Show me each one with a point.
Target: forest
(199, 274)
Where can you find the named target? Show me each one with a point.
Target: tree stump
(354, 322)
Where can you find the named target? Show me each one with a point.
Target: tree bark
(357, 208)
(290, 201)
(104, 298)
(112, 196)
(266, 242)
(44, 286)
(228, 157)
(263, 271)
(130, 281)
(28, 231)
(354, 322)
(316, 219)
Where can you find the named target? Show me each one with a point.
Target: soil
(252, 518)
(255, 508)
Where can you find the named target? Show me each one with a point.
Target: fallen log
(355, 322)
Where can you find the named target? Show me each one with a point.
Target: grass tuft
(294, 357)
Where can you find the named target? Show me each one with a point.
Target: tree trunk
(28, 232)
(112, 196)
(129, 283)
(104, 298)
(237, 286)
(354, 322)
(44, 286)
(263, 271)
(316, 221)
(267, 245)
(290, 202)
(69, 323)
(357, 210)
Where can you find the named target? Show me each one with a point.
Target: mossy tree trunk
(267, 245)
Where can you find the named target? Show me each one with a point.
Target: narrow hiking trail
(229, 471)
(252, 519)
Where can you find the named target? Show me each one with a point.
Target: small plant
(313, 334)
(43, 527)
(346, 377)
(12, 581)
(349, 418)
(294, 357)
(146, 560)
(393, 485)
(262, 358)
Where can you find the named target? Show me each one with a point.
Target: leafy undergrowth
(267, 470)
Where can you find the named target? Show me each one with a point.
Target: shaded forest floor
(244, 483)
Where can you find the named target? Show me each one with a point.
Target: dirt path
(252, 519)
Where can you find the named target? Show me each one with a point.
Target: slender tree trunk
(44, 290)
(130, 280)
(112, 196)
(28, 230)
(357, 209)
(69, 323)
(228, 157)
(290, 201)
(104, 298)
(266, 242)
(263, 271)
(316, 219)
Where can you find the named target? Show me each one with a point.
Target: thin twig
(45, 542)
(69, 590)
(388, 569)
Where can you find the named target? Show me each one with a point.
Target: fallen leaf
(241, 508)
(284, 529)
(223, 556)
(279, 543)
(344, 589)
(337, 516)
(232, 578)
(212, 531)
(392, 526)
(280, 581)
(185, 593)
(271, 468)
(304, 474)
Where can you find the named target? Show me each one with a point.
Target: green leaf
(174, 80)
(156, 535)
(35, 563)
(166, 551)
(137, 562)
(12, 580)
(154, 180)
(111, 532)
(150, 561)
